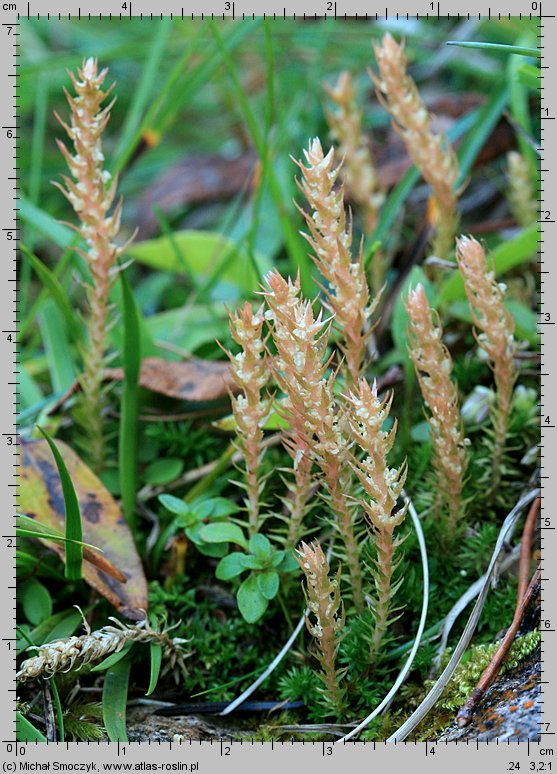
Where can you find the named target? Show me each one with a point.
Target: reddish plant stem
(524, 596)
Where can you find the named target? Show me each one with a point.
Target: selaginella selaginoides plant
(91, 193)
(282, 298)
(429, 149)
(326, 619)
(494, 334)
(521, 192)
(382, 487)
(358, 170)
(75, 652)
(250, 370)
(346, 290)
(315, 423)
(433, 366)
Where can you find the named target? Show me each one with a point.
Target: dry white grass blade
(411, 656)
(272, 666)
(430, 700)
(462, 603)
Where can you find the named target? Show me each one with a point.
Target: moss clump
(472, 666)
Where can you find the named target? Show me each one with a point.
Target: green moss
(470, 670)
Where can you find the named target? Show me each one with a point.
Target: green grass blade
(404, 187)
(74, 531)
(29, 391)
(180, 86)
(58, 709)
(268, 123)
(46, 292)
(35, 173)
(25, 416)
(205, 69)
(392, 207)
(167, 88)
(28, 527)
(295, 247)
(519, 100)
(502, 48)
(131, 359)
(529, 76)
(26, 731)
(57, 292)
(115, 696)
(57, 347)
(486, 121)
(155, 652)
(44, 223)
(143, 92)
(113, 659)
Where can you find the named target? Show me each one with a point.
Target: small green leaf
(289, 564)
(251, 562)
(268, 583)
(175, 505)
(214, 508)
(251, 602)
(207, 549)
(114, 699)
(274, 421)
(221, 532)
(164, 471)
(260, 547)
(278, 558)
(230, 566)
(421, 432)
(36, 601)
(208, 256)
(155, 650)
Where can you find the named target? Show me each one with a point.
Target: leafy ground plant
(374, 417)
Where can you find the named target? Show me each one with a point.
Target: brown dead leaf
(41, 498)
(193, 380)
(193, 180)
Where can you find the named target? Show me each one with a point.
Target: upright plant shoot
(494, 334)
(91, 192)
(347, 293)
(251, 373)
(383, 486)
(430, 150)
(433, 365)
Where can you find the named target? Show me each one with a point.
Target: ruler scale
(189, 755)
